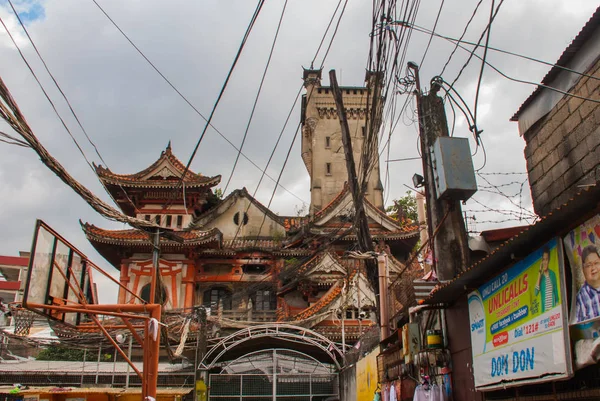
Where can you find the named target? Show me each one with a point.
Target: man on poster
(546, 283)
(587, 304)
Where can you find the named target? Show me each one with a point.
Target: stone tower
(322, 149)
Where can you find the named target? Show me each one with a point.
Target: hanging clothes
(392, 396)
(398, 387)
(386, 391)
(431, 392)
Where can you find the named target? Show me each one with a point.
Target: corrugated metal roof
(564, 59)
(68, 367)
(95, 390)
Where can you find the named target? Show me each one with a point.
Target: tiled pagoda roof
(400, 234)
(144, 179)
(353, 329)
(138, 237)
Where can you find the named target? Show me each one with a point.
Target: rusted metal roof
(564, 59)
(180, 391)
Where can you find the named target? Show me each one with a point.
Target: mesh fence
(256, 387)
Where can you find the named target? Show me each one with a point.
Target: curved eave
(165, 156)
(387, 236)
(151, 184)
(111, 243)
(146, 242)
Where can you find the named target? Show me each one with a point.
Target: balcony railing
(248, 315)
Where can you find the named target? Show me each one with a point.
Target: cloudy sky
(131, 113)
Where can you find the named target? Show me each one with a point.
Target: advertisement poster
(582, 246)
(518, 323)
(366, 376)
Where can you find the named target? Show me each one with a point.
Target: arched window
(213, 296)
(145, 293)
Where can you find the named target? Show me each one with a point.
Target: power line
(485, 50)
(189, 103)
(404, 159)
(235, 60)
(432, 32)
(525, 57)
(472, 53)
(64, 124)
(334, 33)
(237, 158)
(461, 36)
(70, 108)
(325, 34)
(530, 82)
(288, 118)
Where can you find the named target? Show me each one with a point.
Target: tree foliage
(404, 209)
(55, 353)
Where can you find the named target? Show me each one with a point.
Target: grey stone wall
(563, 148)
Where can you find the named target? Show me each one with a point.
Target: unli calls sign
(518, 323)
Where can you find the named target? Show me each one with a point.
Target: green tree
(404, 209)
(55, 353)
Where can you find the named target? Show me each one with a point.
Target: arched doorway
(273, 362)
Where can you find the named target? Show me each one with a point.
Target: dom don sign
(518, 323)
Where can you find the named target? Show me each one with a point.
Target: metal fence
(259, 387)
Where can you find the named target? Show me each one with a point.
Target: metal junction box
(453, 168)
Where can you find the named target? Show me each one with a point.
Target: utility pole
(450, 252)
(362, 227)
(200, 347)
(365, 243)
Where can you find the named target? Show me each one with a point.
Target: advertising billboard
(582, 246)
(58, 275)
(518, 321)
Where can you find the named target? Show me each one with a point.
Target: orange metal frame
(150, 345)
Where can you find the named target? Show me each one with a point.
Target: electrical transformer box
(453, 168)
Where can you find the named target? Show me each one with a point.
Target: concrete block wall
(563, 148)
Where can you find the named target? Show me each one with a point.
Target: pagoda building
(244, 263)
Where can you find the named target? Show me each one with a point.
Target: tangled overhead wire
(405, 84)
(451, 92)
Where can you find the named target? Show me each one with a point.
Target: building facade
(244, 263)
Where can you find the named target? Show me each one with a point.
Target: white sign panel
(517, 323)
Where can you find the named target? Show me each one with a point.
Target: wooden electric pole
(365, 244)
(376, 272)
(450, 251)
